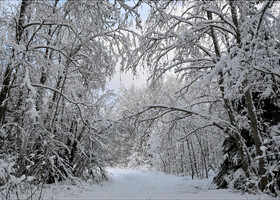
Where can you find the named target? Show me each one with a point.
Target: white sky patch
(127, 79)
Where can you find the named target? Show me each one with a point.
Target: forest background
(219, 112)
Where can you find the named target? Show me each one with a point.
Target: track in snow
(139, 184)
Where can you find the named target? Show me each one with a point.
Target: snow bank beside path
(140, 184)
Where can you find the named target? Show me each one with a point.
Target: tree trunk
(195, 161)
(48, 55)
(202, 155)
(256, 138)
(8, 72)
(227, 103)
(190, 157)
(250, 107)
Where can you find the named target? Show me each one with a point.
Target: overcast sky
(126, 79)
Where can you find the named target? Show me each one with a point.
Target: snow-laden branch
(266, 71)
(215, 121)
(223, 17)
(76, 103)
(197, 129)
(44, 23)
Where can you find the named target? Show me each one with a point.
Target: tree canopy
(59, 122)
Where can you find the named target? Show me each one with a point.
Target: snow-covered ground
(141, 184)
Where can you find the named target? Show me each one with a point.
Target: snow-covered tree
(56, 57)
(159, 138)
(231, 48)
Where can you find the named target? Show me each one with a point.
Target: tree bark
(190, 157)
(202, 155)
(256, 137)
(227, 103)
(8, 72)
(194, 159)
(250, 107)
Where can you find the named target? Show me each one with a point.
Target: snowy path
(137, 184)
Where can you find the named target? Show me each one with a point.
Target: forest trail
(140, 184)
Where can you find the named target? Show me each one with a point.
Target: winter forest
(210, 108)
